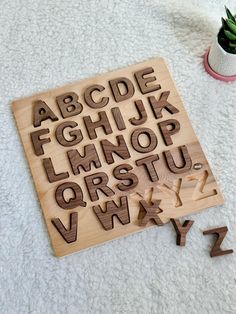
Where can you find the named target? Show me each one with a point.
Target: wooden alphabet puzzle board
(112, 155)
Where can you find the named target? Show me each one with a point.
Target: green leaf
(230, 35)
(224, 24)
(233, 45)
(229, 14)
(232, 26)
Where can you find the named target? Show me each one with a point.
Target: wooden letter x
(181, 230)
(220, 233)
(148, 212)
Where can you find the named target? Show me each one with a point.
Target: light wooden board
(180, 193)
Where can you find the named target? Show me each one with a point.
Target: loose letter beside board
(112, 155)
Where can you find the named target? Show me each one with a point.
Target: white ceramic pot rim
(221, 61)
(222, 49)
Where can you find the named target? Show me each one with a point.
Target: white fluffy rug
(45, 44)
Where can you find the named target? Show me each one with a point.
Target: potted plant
(220, 59)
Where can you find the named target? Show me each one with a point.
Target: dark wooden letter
(181, 230)
(187, 162)
(50, 172)
(93, 187)
(147, 162)
(220, 234)
(121, 175)
(141, 112)
(73, 202)
(121, 149)
(158, 105)
(38, 142)
(149, 212)
(118, 118)
(69, 105)
(112, 209)
(69, 235)
(90, 157)
(129, 88)
(92, 126)
(42, 112)
(76, 135)
(143, 81)
(169, 128)
(136, 143)
(89, 99)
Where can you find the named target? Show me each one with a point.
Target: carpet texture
(45, 44)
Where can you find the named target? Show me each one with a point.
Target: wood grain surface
(105, 150)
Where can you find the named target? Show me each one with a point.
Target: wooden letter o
(136, 143)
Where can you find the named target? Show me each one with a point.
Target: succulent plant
(227, 33)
